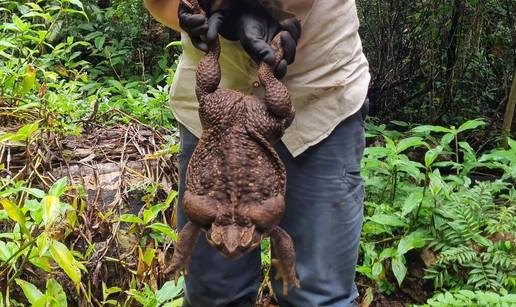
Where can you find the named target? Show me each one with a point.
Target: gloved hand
(257, 29)
(246, 21)
(204, 28)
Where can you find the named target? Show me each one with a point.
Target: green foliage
(53, 297)
(39, 226)
(38, 223)
(62, 64)
(472, 298)
(423, 193)
(167, 296)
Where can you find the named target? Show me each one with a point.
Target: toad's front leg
(183, 249)
(277, 98)
(285, 264)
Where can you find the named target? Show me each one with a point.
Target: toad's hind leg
(285, 264)
(183, 249)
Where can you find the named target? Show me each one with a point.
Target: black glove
(256, 31)
(202, 29)
(246, 21)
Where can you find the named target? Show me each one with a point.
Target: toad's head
(233, 236)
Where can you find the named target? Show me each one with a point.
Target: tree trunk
(509, 112)
(452, 51)
(104, 4)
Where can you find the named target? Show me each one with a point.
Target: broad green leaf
(169, 291)
(430, 128)
(3, 215)
(399, 269)
(26, 131)
(71, 11)
(174, 44)
(467, 148)
(432, 154)
(482, 241)
(64, 258)
(31, 292)
(5, 252)
(175, 303)
(7, 44)
(446, 139)
(106, 292)
(37, 14)
(470, 124)
(412, 168)
(165, 229)
(77, 3)
(8, 192)
(151, 213)
(51, 209)
(43, 243)
(29, 79)
(378, 270)
(512, 143)
(55, 294)
(117, 85)
(436, 182)
(34, 6)
(34, 192)
(42, 263)
(59, 187)
(387, 253)
(35, 209)
(467, 293)
(509, 298)
(14, 212)
(148, 256)
(389, 143)
(378, 152)
(130, 218)
(411, 203)
(488, 297)
(170, 197)
(99, 41)
(408, 143)
(372, 228)
(416, 239)
(20, 24)
(400, 123)
(389, 220)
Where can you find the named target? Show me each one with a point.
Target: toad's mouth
(233, 240)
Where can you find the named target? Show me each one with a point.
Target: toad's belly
(233, 166)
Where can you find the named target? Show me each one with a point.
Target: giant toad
(235, 184)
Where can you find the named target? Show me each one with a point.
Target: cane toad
(235, 184)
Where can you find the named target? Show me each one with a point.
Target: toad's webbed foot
(183, 249)
(285, 264)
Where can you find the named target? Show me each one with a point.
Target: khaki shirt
(328, 81)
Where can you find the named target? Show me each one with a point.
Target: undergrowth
(433, 200)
